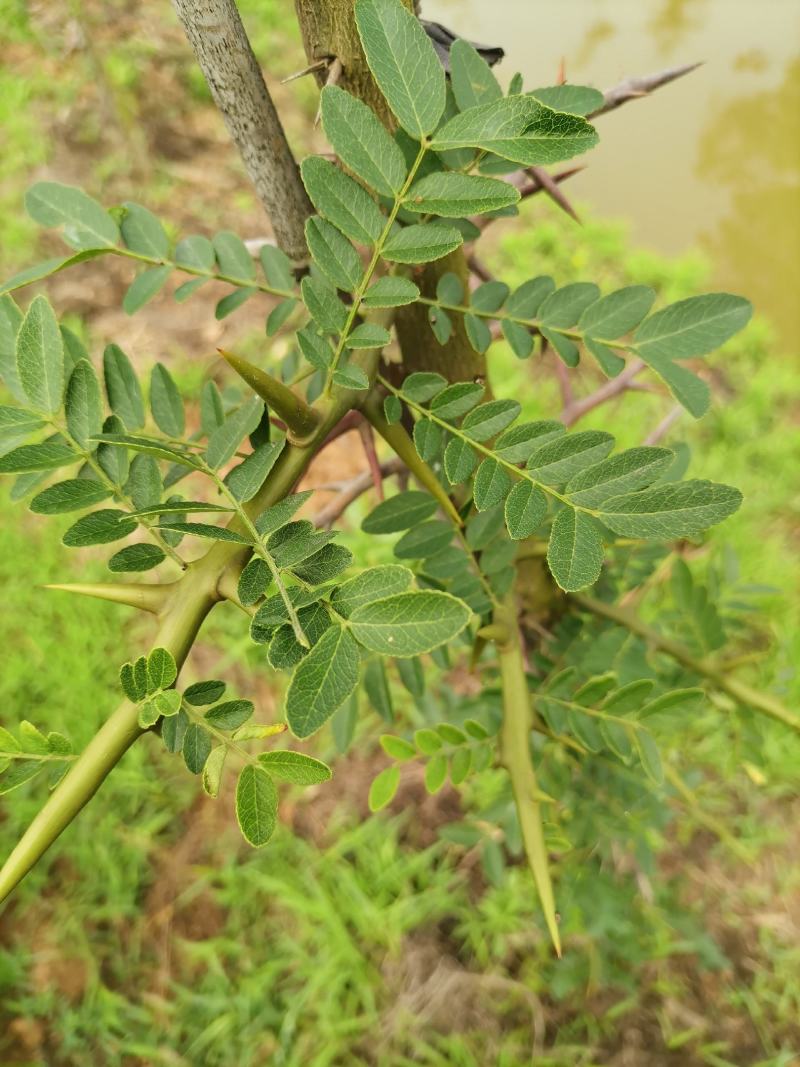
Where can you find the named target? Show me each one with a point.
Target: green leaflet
(403, 62)
(456, 400)
(245, 480)
(390, 292)
(197, 252)
(383, 788)
(681, 509)
(28, 458)
(230, 715)
(202, 529)
(256, 805)
(518, 443)
(136, 558)
(277, 267)
(618, 313)
(565, 306)
(142, 232)
(324, 565)
(201, 693)
(424, 540)
(524, 302)
(196, 747)
(254, 581)
(400, 512)
(324, 306)
(333, 254)
(525, 509)
(455, 195)
(295, 767)
(99, 528)
(323, 680)
(421, 243)
(149, 446)
(633, 469)
(144, 287)
(361, 142)
(224, 441)
(144, 485)
(574, 99)
(575, 551)
(408, 624)
(471, 77)
(40, 357)
(342, 201)
(563, 457)
(459, 461)
(491, 485)
(166, 403)
(519, 129)
(161, 669)
(692, 327)
(122, 387)
(233, 258)
(86, 224)
(375, 583)
(84, 404)
(489, 419)
(70, 495)
(368, 335)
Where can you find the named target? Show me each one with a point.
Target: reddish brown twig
(479, 268)
(664, 426)
(352, 489)
(368, 441)
(607, 391)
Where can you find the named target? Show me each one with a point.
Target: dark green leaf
(142, 232)
(525, 509)
(224, 441)
(84, 404)
(454, 195)
(136, 558)
(322, 681)
(99, 528)
(333, 254)
(256, 805)
(42, 457)
(390, 292)
(144, 287)
(399, 512)
(372, 584)
(245, 480)
(70, 495)
(295, 767)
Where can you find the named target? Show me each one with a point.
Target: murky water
(712, 161)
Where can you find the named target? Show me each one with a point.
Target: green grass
(152, 935)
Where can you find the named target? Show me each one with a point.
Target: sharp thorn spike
(301, 419)
(150, 598)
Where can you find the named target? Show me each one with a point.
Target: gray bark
(214, 30)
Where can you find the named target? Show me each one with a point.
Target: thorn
(368, 441)
(320, 64)
(300, 418)
(561, 75)
(335, 69)
(150, 598)
(551, 188)
(636, 87)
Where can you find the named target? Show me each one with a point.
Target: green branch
(743, 694)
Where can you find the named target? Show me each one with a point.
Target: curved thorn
(150, 598)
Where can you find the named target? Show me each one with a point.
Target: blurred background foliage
(151, 935)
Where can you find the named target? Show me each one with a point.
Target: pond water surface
(711, 161)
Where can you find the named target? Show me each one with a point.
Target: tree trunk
(328, 29)
(218, 39)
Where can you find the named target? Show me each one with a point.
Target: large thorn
(150, 598)
(633, 88)
(301, 419)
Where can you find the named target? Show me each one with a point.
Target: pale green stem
(373, 263)
(717, 676)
